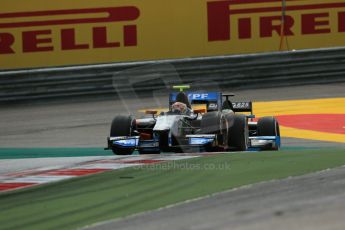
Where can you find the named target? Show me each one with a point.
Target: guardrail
(237, 71)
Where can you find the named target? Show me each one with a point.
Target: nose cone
(167, 123)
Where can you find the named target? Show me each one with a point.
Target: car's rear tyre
(268, 126)
(238, 133)
(122, 126)
(210, 123)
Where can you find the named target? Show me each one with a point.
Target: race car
(219, 125)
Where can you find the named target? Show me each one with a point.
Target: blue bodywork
(200, 97)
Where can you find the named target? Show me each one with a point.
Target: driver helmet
(179, 106)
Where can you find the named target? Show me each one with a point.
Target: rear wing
(212, 100)
(246, 106)
(197, 97)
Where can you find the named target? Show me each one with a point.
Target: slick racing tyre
(238, 133)
(122, 126)
(210, 123)
(268, 126)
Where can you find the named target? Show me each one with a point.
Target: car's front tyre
(122, 126)
(268, 126)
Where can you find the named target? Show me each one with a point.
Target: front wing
(196, 142)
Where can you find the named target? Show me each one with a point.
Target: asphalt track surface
(87, 124)
(310, 202)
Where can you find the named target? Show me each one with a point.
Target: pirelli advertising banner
(42, 33)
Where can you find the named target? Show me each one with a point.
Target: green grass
(20, 153)
(78, 202)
